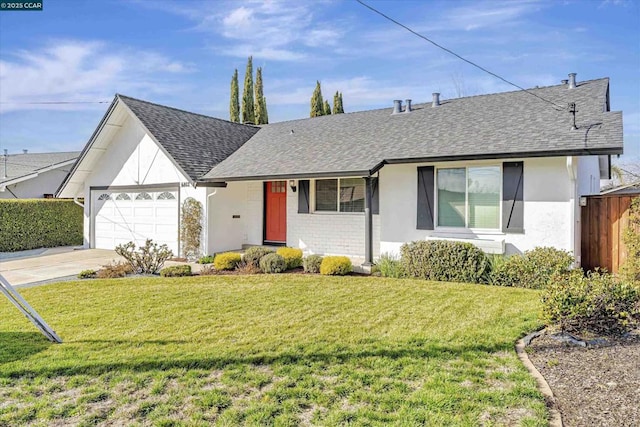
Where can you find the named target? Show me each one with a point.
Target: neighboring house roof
(502, 125)
(25, 166)
(633, 188)
(194, 142)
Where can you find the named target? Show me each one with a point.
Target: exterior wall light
(292, 184)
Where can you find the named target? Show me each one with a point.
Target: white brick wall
(328, 233)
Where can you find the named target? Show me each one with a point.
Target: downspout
(574, 221)
(368, 223)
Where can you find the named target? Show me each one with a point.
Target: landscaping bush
(598, 302)
(87, 274)
(114, 270)
(336, 266)
(390, 266)
(176, 271)
(244, 267)
(191, 227)
(148, 259)
(207, 259)
(292, 256)
(444, 260)
(207, 269)
(531, 270)
(254, 253)
(273, 263)
(631, 238)
(39, 223)
(311, 264)
(226, 261)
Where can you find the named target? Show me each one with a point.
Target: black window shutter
(375, 197)
(512, 197)
(303, 196)
(425, 198)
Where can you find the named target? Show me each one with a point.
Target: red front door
(276, 211)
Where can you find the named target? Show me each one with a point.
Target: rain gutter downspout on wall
(368, 215)
(575, 222)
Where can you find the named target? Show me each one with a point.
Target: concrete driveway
(52, 264)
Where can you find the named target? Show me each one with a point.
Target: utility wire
(556, 106)
(57, 102)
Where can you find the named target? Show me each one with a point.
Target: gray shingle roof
(509, 124)
(196, 142)
(21, 165)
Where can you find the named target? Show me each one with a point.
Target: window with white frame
(469, 197)
(339, 195)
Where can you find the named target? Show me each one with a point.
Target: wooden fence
(604, 220)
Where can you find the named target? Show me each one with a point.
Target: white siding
(547, 207)
(35, 188)
(226, 232)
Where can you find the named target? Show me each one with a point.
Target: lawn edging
(555, 418)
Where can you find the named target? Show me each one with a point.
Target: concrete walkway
(52, 264)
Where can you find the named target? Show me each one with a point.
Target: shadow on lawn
(304, 355)
(19, 345)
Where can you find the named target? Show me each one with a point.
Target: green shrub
(273, 263)
(207, 259)
(176, 271)
(87, 274)
(336, 266)
(253, 254)
(390, 266)
(311, 263)
(444, 260)
(599, 303)
(292, 256)
(114, 270)
(531, 270)
(631, 239)
(226, 261)
(39, 223)
(147, 259)
(191, 227)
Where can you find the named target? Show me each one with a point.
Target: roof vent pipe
(572, 80)
(564, 82)
(407, 109)
(25, 151)
(436, 99)
(397, 106)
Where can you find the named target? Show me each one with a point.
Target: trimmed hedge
(273, 263)
(176, 271)
(444, 260)
(253, 254)
(336, 266)
(533, 269)
(292, 256)
(39, 223)
(227, 261)
(312, 264)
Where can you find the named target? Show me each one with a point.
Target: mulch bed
(597, 385)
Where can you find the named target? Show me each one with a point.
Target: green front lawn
(269, 350)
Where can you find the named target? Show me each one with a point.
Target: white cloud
(80, 71)
(488, 14)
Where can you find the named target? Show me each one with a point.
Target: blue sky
(182, 53)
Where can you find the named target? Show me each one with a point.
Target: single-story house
(504, 171)
(33, 175)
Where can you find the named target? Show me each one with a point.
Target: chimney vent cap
(397, 106)
(436, 99)
(572, 80)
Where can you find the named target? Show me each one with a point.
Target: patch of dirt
(594, 385)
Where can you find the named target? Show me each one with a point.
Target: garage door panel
(118, 220)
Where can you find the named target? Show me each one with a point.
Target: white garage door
(135, 215)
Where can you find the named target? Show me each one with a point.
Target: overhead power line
(556, 106)
(56, 102)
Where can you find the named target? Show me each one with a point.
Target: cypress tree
(234, 104)
(248, 109)
(327, 108)
(260, 103)
(317, 105)
(337, 103)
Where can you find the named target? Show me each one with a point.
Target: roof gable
(195, 142)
